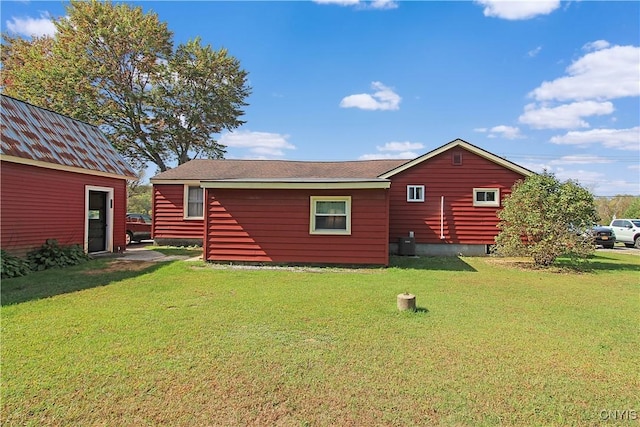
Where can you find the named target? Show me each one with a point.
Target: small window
(486, 197)
(456, 159)
(193, 202)
(415, 193)
(330, 215)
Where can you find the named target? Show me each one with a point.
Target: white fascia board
(56, 166)
(297, 185)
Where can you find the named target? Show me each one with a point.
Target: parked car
(138, 227)
(627, 231)
(603, 236)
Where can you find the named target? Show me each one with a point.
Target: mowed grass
(184, 343)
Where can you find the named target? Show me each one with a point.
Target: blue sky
(546, 84)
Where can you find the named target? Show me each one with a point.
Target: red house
(335, 212)
(60, 179)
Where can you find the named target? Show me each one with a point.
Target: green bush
(52, 255)
(13, 266)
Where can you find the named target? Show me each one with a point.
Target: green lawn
(185, 343)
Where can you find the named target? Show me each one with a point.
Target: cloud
(260, 144)
(580, 159)
(597, 182)
(534, 52)
(384, 98)
(31, 27)
(620, 139)
(596, 45)
(502, 131)
(400, 146)
(518, 10)
(607, 73)
(365, 4)
(568, 116)
(395, 150)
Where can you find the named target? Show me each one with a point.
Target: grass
(178, 343)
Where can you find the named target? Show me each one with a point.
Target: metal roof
(35, 134)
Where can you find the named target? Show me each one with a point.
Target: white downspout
(441, 217)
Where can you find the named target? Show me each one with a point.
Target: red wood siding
(168, 214)
(273, 226)
(463, 222)
(40, 204)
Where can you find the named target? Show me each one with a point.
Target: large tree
(115, 66)
(544, 218)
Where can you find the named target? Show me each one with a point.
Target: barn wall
(39, 204)
(273, 226)
(169, 225)
(463, 223)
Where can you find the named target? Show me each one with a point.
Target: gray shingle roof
(209, 170)
(33, 133)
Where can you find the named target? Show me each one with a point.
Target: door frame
(109, 220)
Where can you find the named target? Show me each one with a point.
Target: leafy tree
(615, 207)
(633, 211)
(115, 66)
(139, 199)
(544, 218)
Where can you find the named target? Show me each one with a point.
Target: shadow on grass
(92, 274)
(430, 263)
(597, 263)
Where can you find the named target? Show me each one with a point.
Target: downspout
(441, 217)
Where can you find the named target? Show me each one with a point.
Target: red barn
(60, 179)
(334, 212)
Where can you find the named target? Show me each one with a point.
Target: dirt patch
(118, 265)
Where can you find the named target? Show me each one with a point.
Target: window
(456, 159)
(415, 193)
(193, 202)
(486, 197)
(330, 215)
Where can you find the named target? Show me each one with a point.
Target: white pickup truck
(627, 231)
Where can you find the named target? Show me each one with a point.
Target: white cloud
(534, 52)
(384, 98)
(30, 27)
(580, 159)
(502, 131)
(364, 4)
(400, 146)
(518, 9)
(260, 144)
(568, 116)
(395, 150)
(608, 73)
(338, 2)
(596, 45)
(620, 139)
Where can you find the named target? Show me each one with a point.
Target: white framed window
(415, 193)
(486, 197)
(330, 215)
(193, 202)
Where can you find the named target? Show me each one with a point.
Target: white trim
(109, 210)
(312, 216)
(284, 185)
(413, 187)
(493, 203)
(185, 202)
(55, 166)
(463, 144)
(193, 182)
